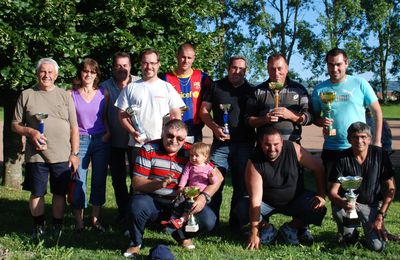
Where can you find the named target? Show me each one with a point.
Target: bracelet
(206, 196)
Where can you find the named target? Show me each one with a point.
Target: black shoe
(348, 239)
(305, 236)
(38, 233)
(56, 232)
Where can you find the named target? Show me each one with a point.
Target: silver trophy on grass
(225, 108)
(132, 112)
(41, 117)
(190, 193)
(351, 183)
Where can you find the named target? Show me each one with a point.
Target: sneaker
(132, 251)
(38, 233)
(305, 237)
(268, 235)
(347, 239)
(289, 234)
(56, 232)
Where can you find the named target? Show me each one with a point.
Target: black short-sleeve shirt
(376, 168)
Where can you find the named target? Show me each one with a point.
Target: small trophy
(328, 98)
(190, 193)
(41, 117)
(132, 112)
(276, 87)
(226, 108)
(167, 117)
(351, 183)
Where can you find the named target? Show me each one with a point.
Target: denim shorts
(37, 175)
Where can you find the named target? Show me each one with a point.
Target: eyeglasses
(89, 71)
(178, 138)
(145, 64)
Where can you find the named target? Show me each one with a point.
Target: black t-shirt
(222, 92)
(282, 178)
(376, 168)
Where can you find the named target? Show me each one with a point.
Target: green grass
(1, 114)
(15, 228)
(391, 111)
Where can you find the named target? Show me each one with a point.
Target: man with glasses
(154, 99)
(157, 170)
(373, 164)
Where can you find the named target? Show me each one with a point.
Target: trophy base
(331, 132)
(192, 228)
(351, 222)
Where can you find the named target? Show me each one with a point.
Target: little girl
(197, 173)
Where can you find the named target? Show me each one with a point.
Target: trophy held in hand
(132, 112)
(226, 108)
(41, 117)
(327, 98)
(190, 193)
(351, 183)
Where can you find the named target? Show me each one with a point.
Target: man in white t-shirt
(154, 97)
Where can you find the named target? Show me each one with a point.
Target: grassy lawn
(15, 229)
(391, 111)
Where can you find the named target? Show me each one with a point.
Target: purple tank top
(90, 115)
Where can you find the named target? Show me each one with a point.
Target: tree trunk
(12, 144)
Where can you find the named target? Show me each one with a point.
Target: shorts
(37, 175)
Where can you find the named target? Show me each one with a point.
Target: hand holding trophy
(327, 98)
(41, 117)
(226, 108)
(132, 112)
(351, 183)
(276, 87)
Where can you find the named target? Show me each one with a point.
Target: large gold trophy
(190, 193)
(276, 87)
(327, 98)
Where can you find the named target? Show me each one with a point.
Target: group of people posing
(156, 125)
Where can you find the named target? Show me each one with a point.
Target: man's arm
(378, 224)
(145, 185)
(204, 114)
(333, 194)
(73, 161)
(126, 123)
(378, 121)
(254, 185)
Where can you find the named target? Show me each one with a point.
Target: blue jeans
(91, 149)
(144, 209)
(299, 208)
(233, 157)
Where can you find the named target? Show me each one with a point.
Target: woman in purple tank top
(89, 102)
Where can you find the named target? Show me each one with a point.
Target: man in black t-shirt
(229, 152)
(372, 163)
(274, 182)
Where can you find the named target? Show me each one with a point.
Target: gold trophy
(351, 183)
(327, 98)
(190, 193)
(41, 117)
(226, 108)
(276, 87)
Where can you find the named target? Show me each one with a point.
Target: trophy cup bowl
(190, 193)
(41, 117)
(351, 183)
(132, 112)
(226, 108)
(327, 98)
(167, 116)
(276, 87)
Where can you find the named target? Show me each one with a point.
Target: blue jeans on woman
(92, 150)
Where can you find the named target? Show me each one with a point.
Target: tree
(383, 21)
(69, 31)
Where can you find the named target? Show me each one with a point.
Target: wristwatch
(75, 154)
(207, 196)
(381, 213)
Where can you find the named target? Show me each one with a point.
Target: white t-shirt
(155, 100)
